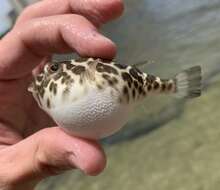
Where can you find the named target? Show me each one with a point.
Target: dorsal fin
(140, 64)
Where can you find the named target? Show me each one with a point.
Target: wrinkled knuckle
(51, 158)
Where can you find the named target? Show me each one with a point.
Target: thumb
(46, 153)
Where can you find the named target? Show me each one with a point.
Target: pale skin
(29, 149)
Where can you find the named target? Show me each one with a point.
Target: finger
(41, 155)
(97, 11)
(41, 37)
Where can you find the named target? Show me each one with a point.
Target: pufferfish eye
(54, 67)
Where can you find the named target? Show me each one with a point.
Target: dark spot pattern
(91, 62)
(67, 62)
(140, 90)
(120, 66)
(57, 76)
(106, 68)
(66, 78)
(149, 87)
(133, 93)
(135, 84)
(137, 70)
(41, 91)
(156, 85)
(111, 80)
(101, 60)
(126, 77)
(126, 93)
(100, 87)
(45, 83)
(81, 59)
(170, 86)
(134, 73)
(163, 86)
(78, 69)
(69, 66)
(80, 80)
(66, 91)
(150, 78)
(39, 78)
(48, 103)
(53, 87)
(140, 80)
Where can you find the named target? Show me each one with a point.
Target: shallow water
(169, 143)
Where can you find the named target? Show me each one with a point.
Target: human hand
(29, 150)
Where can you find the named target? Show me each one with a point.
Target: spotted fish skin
(92, 97)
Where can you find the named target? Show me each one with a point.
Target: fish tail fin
(188, 83)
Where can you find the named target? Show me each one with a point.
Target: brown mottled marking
(135, 68)
(149, 87)
(81, 59)
(91, 62)
(109, 79)
(140, 90)
(127, 77)
(51, 86)
(140, 80)
(67, 62)
(134, 73)
(150, 78)
(66, 91)
(55, 88)
(105, 60)
(133, 93)
(125, 92)
(39, 78)
(105, 76)
(45, 83)
(41, 91)
(69, 66)
(63, 80)
(80, 80)
(78, 69)
(114, 80)
(135, 84)
(48, 103)
(99, 86)
(170, 86)
(57, 76)
(106, 68)
(156, 85)
(120, 66)
(163, 86)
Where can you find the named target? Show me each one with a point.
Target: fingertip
(100, 46)
(89, 43)
(91, 159)
(117, 7)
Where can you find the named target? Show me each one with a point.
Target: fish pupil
(54, 67)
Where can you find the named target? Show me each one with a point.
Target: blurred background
(168, 144)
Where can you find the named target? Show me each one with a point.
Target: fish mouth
(31, 87)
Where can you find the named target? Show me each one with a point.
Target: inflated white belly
(95, 115)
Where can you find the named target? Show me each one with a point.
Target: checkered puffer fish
(92, 98)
